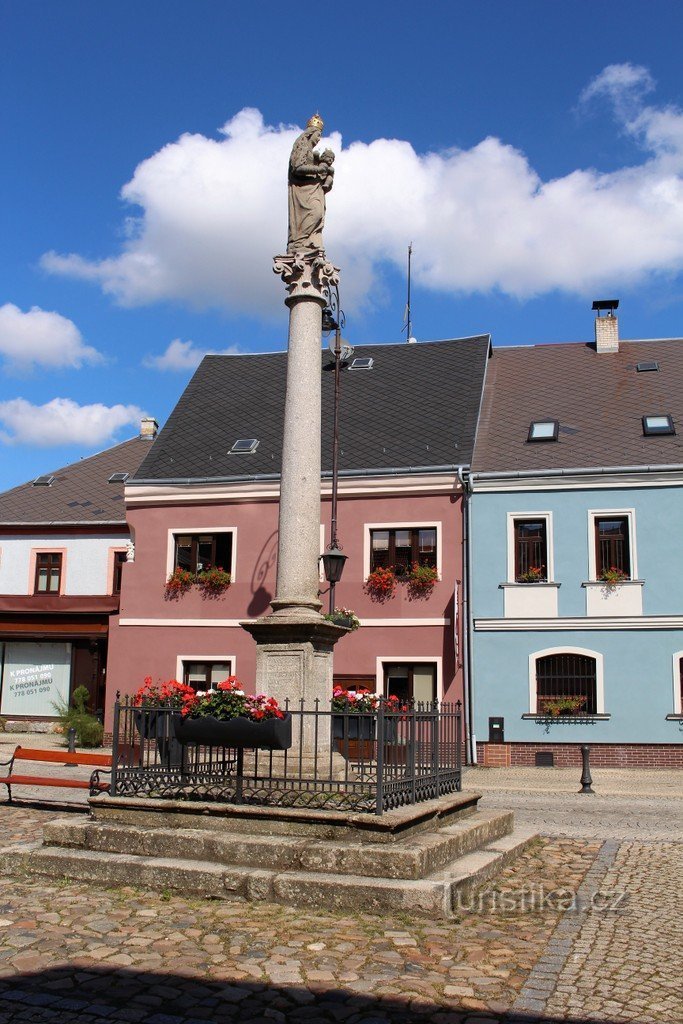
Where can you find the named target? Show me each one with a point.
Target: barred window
(566, 683)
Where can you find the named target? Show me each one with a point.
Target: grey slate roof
(80, 492)
(418, 406)
(598, 398)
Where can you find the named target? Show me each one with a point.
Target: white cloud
(63, 421)
(42, 338)
(213, 213)
(183, 355)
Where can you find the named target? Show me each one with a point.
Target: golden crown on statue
(316, 122)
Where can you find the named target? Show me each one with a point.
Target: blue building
(575, 515)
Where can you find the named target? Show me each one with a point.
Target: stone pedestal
(294, 643)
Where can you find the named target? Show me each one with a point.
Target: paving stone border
(544, 977)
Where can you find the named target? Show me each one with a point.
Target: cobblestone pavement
(580, 928)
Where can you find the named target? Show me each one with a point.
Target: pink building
(407, 426)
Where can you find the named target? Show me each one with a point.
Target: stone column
(294, 644)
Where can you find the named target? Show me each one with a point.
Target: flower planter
(160, 727)
(271, 733)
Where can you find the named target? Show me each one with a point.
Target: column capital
(306, 275)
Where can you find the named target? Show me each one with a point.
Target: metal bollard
(71, 740)
(586, 779)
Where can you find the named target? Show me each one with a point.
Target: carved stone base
(294, 662)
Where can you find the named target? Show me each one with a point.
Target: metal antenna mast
(407, 321)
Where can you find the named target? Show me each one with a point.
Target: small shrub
(89, 730)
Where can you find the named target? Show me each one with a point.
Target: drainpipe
(471, 746)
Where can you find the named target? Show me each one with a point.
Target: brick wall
(568, 755)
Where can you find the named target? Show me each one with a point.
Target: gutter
(265, 477)
(524, 474)
(467, 623)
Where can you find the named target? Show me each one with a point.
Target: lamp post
(333, 320)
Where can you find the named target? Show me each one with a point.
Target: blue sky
(531, 151)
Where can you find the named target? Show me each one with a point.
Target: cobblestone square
(580, 927)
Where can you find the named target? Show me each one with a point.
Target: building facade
(577, 589)
(407, 422)
(63, 548)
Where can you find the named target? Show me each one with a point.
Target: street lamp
(333, 320)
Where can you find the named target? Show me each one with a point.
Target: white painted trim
(184, 622)
(605, 513)
(402, 524)
(238, 622)
(269, 490)
(180, 658)
(578, 482)
(599, 673)
(170, 545)
(677, 704)
(587, 623)
(550, 567)
(407, 660)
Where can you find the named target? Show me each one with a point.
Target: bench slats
(62, 757)
(41, 780)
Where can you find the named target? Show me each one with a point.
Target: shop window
(402, 546)
(566, 682)
(203, 675)
(412, 681)
(612, 545)
(198, 551)
(48, 572)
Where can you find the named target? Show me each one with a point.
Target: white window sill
(674, 718)
(525, 586)
(611, 586)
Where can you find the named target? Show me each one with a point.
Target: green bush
(89, 731)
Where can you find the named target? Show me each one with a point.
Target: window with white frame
(612, 552)
(566, 681)
(204, 674)
(400, 546)
(530, 554)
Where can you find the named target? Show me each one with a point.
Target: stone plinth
(294, 662)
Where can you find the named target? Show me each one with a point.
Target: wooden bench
(101, 762)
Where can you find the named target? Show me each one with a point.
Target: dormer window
(543, 430)
(244, 446)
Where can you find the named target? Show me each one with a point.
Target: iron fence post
(379, 804)
(586, 778)
(436, 741)
(114, 748)
(458, 742)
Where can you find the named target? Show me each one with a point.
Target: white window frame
(565, 649)
(511, 518)
(409, 659)
(677, 703)
(180, 658)
(606, 513)
(401, 524)
(173, 531)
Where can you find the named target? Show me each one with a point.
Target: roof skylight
(647, 367)
(663, 424)
(244, 446)
(362, 363)
(43, 481)
(543, 430)
(118, 478)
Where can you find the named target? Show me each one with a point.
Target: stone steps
(414, 858)
(434, 896)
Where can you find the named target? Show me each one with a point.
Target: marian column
(294, 642)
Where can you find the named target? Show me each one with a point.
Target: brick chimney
(607, 326)
(149, 428)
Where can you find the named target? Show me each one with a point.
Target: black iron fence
(367, 762)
